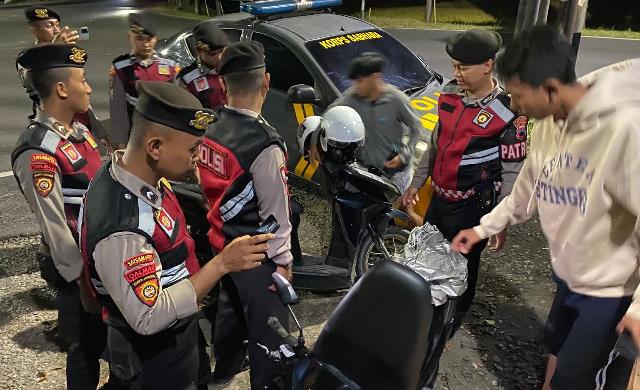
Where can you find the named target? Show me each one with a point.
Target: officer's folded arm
(134, 282)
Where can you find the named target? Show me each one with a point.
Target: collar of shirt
(133, 183)
(482, 100)
(77, 129)
(243, 111)
(146, 62)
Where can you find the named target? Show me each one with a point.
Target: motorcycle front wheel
(368, 254)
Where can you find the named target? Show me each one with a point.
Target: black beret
(474, 46)
(209, 37)
(366, 64)
(51, 55)
(34, 14)
(172, 106)
(241, 57)
(142, 24)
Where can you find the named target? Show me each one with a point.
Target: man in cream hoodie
(582, 178)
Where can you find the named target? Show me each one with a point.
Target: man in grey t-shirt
(391, 127)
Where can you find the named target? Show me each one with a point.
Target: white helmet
(343, 127)
(306, 128)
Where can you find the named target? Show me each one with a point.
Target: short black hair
(537, 55)
(244, 83)
(44, 80)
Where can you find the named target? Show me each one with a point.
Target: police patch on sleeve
(43, 182)
(147, 289)
(43, 168)
(136, 261)
(141, 275)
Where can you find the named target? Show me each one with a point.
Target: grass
(187, 14)
(452, 15)
(461, 15)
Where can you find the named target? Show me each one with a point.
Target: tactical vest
(130, 70)
(77, 160)
(204, 86)
(110, 207)
(471, 143)
(225, 163)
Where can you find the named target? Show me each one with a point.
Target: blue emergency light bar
(273, 7)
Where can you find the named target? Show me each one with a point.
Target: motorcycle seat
(378, 334)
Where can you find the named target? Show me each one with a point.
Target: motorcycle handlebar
(278, 329)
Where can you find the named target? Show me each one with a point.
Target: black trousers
(580, 332)
(450, 218)
(86, 335)
(166, 360)
(244, 305)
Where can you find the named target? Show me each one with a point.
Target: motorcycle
(358, 347)
(361, 231)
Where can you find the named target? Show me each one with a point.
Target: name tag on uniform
(163, 69)
(201, 84)
(71, 152)
(90, 140)
(167, 224)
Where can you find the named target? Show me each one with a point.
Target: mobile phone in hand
(270, 225)
(83, 32)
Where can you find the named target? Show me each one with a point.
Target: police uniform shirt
(273, 195)
(118, 98)
(49, 209)
(171, 304)
(510, 170)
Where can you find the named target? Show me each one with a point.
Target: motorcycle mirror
(285, 291)
(301, 93)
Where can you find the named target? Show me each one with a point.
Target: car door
(286, 70)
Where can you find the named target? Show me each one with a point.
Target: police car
(308, 46)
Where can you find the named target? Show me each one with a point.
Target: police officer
(44, 24)
(53, 161)
(243, 175)
(476, 151)
(201, 77)
(142, 63)
(137, 248)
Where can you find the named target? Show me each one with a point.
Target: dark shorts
(580, 332)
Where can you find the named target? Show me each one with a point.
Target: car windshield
(403, 69)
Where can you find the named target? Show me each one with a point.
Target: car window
(282, 64)
(403, 69)
(179, 51)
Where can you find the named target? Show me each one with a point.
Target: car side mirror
(301, 93)
(285, 291)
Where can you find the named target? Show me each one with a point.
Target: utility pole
(575, 14)
(528, 14)
(428, 11)
(543, 12)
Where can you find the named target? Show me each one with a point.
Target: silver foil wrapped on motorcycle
(430, 255)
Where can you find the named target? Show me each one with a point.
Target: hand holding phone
(83, 32)
(270, 225)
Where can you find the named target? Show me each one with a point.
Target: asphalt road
(107, 24)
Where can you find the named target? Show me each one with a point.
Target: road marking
(6, 174)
